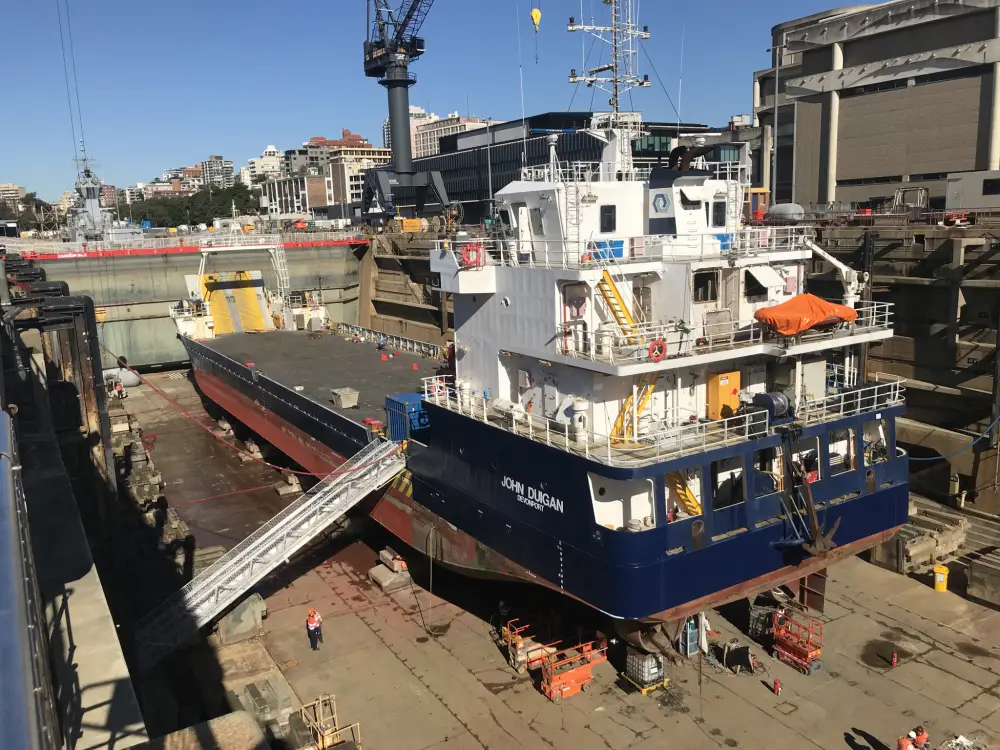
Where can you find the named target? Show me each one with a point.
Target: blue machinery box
(405, 414)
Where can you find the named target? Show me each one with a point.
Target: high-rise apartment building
(217, 172)
(108, 196)
(11, 195)
(316, 153)
(345, 172)
(267, 166)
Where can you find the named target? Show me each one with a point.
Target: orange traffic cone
(385, 358)
(415, 367)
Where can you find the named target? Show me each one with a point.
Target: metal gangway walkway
(179, 617)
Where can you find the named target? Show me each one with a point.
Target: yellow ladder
(680, 487)
(613, 299)
(624, 428)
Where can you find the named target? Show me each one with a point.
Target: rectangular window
(683, 493)
(805, 453)
(876, 437)
(537, 229)
(727, 482)
(768, 472)
(719, 214)
(842, 451)
(608, 219)
(706, 286)
(991, 187)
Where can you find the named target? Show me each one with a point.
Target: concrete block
(289, 485)
(984, 579)
(391, 560)
(244, 621)
(388, 581)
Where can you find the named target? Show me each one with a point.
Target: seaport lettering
(531, 496)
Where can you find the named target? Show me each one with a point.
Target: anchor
(822, 542)
(813, 540)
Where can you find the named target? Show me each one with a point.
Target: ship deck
(320, 362)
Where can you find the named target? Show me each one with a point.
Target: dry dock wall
(133, 293)
(944, 284)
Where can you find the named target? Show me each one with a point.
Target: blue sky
(167, 83)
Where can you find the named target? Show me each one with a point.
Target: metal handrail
(686, 434)
(401, 343)
(746, 242)
(180, 616)
(851, 401)
(614, 345)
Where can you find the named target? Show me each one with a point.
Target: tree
(200, 208)
(7, 212)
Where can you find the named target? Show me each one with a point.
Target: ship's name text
(531, 496)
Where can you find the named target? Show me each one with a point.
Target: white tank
(129, 379)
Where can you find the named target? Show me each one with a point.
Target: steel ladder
(178, 618)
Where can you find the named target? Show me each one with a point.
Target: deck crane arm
(853, 281)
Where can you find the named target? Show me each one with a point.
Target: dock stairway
(178, 618)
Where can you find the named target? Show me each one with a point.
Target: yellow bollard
(940, 578)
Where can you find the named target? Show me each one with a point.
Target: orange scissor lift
(798, 640)
(569, 671)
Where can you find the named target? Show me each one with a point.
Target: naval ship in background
(643, 408)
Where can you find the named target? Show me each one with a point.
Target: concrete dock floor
(421, 671)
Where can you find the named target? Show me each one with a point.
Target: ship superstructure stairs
(178, 619)
(685, 496)
(610, 285)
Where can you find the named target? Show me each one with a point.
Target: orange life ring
(472, 255)
(657, 350)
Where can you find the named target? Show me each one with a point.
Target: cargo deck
(319, 362)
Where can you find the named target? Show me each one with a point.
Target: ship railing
(657, 341)
(596, 171)
(396, 343)
(645, 342)
(869, 397)
(744, 243)
(681, 433)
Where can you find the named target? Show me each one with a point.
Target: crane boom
(413, 19)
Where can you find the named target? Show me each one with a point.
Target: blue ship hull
(531, 504)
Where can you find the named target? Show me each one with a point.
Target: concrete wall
(944, 32)
(135, 292)
(924, 129)
(808, 149)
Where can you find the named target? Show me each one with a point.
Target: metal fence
(398, 343)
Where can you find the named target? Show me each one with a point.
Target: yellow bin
(940, 578)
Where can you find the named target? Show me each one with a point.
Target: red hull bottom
(429, 534)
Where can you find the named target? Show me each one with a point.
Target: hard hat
(912, 735)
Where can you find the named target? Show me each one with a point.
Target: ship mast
(622, 36)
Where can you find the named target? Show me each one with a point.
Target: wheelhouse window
(688, 204)
(706, 286)
(719, 214)
(609, 219)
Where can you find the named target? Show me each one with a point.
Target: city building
(65, 201)
(11, 195)
(316, 152)
(418, 116)
(132, 194)
(427, 135)
(469, 159)
(871, 98)
(345, 173)
(192, 176)
(217, 172)
(172, 189)
(245, 176)
(108, 196)
(267, 166)
(297, 196)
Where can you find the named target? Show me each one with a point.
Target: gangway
(179, 618)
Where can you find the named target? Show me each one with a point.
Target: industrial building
(475, 164)
(871, 98)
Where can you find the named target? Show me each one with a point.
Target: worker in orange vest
(921, 739)
(906, 743)
(314, 628)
